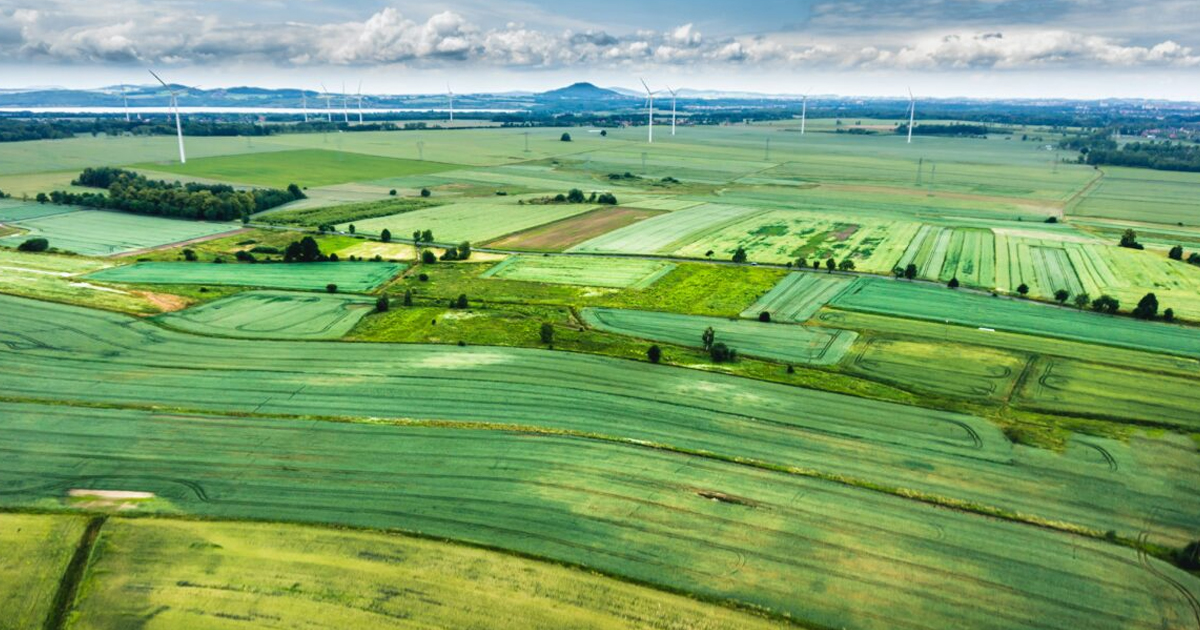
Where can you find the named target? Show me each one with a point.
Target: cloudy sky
(987, 48)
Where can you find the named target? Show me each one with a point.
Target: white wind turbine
(450, 95)
(360, 99)
(304, 103)
(125, 97)
(345, 105)
(803, 112)
(178, 125)
(649, 110)
(912, 113)
(328, 98)
(673, 93)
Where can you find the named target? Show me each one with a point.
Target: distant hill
(581, 92)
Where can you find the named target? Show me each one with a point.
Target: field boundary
(72, 579)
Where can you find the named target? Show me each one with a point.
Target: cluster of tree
(846, 264)
(1176, 253)
(304, 250)
(131, 192)
(718, 351)
(462, 252)
(12, 130)
(461, 302)
(1129, 239)
(574, 196)
(34, 245)
(956, 130)
(1162, 156)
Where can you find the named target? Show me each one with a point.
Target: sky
(939, 48)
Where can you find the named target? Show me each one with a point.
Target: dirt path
(166, 302)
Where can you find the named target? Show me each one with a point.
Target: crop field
(476, 220)
(943, 369)
(348, 276)
(631, 273)
(1088, 389)
(781, 342)
(74, 154)
(58, 278)
(36, 550)
(892, 297)
(387, 251)
(798, 296)
(75, 356)
(712, 528)
(102, 233)
(663, 234)
(198, 574)
(1140, 195)
(569, 232)
(13, 211)
(273, 315)
(308, 167)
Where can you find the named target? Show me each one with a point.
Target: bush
(566, 137)
(381, 304)
(764, 316)
(740, 255)
(34, 245)
(953, 284)
(190, 255)
(607, 199)
(331, 288)
(575, 196)
(461, 302)
(654, 354)
(1169, 315)
(1052, 220)
(1023, 289)
(546, 333)
(1189, 558)
(1176, 253)
(244, 256)
(385, 235)
(428, 257)
(408, 301)
(1129, 239)
(425, 192)
(392, 192)
(424, 277)
(721, 353)
(260, 249)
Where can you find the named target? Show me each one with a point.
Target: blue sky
(1026, 48)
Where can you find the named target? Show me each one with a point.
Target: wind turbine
(178, 125)
(450, 94)
(649, 110)
(360, 117)
(912, 113)
(125, 97)
(328, 98)
(345, 107)
(803, 112)
(672, 109)
(304, 103)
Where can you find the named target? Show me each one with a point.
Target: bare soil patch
(569, 232)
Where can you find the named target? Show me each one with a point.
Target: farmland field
(103, 233)
(574, 230)
(712, 528)
(780, 342)
(892, 297)
(323, 578)
(798, 296)
(273, 315)
(1137, 195)
(661, 234)
(58, 278)
(586, 271)
(476, 220)
(348, 276)
(1109, 391)
(36, 550)
(958, 371)
(306, 167)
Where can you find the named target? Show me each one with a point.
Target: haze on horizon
(942, 48)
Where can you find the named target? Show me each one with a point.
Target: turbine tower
(304, 103)
(125, 97)
(912, 113)
(328, 98)
(360, 116)
(803, 112)
(450, 95)
(345, 107)
(178, 125)
(673, 92)
(649, 111)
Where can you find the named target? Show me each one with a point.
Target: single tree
(41, 198)
(425, 192)
(830, 264)
(764, 316)
(566, 137)
(709, 253)
(416, 236)
(953, 284)
(1082, 300)
(427, 236)
(392, 192)
(1023, 289)
(898, 271)
(708, 337)
(461, 302)
(547, 333)
(408, 300)
(464, 250)
(381, 304)
(189, 255)
(816, 265)
(331, 288)
(1106, 304)
(910, 271)
(654, 354)
(385, 235)
(1169, 315)
(34, 245)
(603, 133)
(428, 257)
(295, 192)
(1176, 253)
(575, 196)
(1062, 295)
(721, 353)
(1147, 307)
(846, 265)
(352, 229)
(740, 255)
(1129, 239)
(309, 250)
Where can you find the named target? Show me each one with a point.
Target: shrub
(385, 235)
(1169, 315)
(575, 196)
(740, 255)
(408, 301)
(1176, 253)
(953, 284)
(566, 137)
(461, 302)
(721, 353)
(244, 256)
(654, 354)
(546, 333)
(259, 249)
(1023, 289)
(331, 288)
(607, 199)
(381, 304)
(34, 245)
(392, 192)
(424, 277)
(1129, 239)
(764, 316)
(428, 257)
(189, 255)
(846, 265)
(425, 192)
(1052, 220)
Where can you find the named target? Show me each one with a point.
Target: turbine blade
(164, 83)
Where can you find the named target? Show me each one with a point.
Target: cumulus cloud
(144, 35)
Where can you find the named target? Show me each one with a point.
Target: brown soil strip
(165, 302)
(571, 231)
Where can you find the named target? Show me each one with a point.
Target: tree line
(957, 130)
(132, 192)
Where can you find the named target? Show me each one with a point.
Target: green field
(273, 315)
(631, 273)
(1076, 387)
(795, 545)
(922, 301)
(475, 220)
(1141, 195)
(103, 233)
(12, 210)
(779, 342)
(207, 575)
(308, 167)
(34, 552)
(348, 276)
(115, 360)
(798, 297)
(956, 371)
(664, 233)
